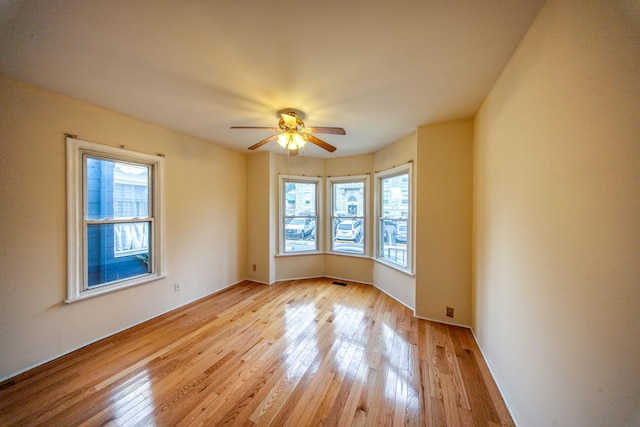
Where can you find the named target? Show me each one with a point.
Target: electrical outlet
(254, 267)
(449, 311)
(176, 287)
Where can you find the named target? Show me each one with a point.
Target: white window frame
(76, 223)
(379, 176)
(365, 218)
(283, 214)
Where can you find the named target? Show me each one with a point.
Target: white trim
(134, 281)
(354, 281)
(76, 238)
(301, 253)
(259, 281)
(298, 278)
(495, 380)
(74, 213)
(395, 298)
(282, 212)
(390, 173)
(366, 218)
(442, 321)
(491, 371)
(117, 331)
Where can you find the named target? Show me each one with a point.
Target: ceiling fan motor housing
(290, 121)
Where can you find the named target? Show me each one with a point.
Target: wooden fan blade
(334, 131)
(320, 143)
(264, 141)
(253, 127)
(290, 120)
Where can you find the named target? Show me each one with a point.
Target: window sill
(301, 253)
(106, 290)
(348, 254)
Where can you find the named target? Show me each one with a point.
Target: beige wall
(443, 221)
(349, 166)
(260, 239)
(557, 219)
(205, 224)
(357, 269)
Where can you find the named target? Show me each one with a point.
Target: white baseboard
(500, 390)
(297, 278)
(495, 380)
(395, 298)
(348, 280)
(257, 281)
(117, 331)
(442, 321)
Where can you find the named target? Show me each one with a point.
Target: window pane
(131, 238)
(393, 219)
(348, 199)
(300, 234)
(300, 199)
(393, 241)
(116, 190)
(300, 216)
(348, 235)
(395, 196)
(348, 217)
(103, 264)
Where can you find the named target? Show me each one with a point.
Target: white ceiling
(378, 68)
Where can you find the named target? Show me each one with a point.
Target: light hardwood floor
(298, 353)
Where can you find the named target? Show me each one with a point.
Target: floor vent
(340, 283)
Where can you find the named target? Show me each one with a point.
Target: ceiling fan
(294, 134)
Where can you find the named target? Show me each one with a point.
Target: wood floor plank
(297, 353)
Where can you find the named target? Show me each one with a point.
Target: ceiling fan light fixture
(293, 133)
(291, 140)
(298, 140)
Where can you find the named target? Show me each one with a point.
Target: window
(114, 221)
(394, 217)
(348, 214)
(299, 218)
